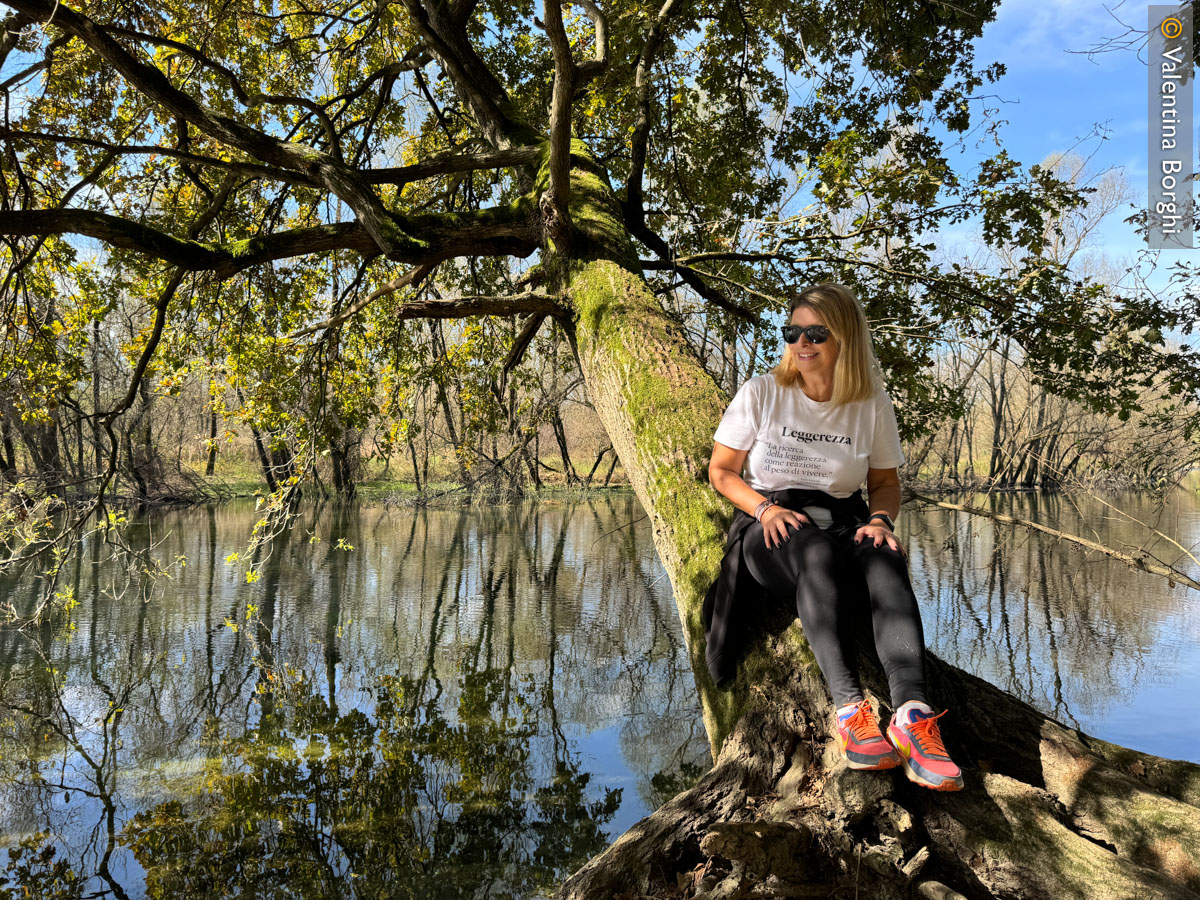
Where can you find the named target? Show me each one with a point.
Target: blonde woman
(807, 435)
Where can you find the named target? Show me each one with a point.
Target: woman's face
(812, 359)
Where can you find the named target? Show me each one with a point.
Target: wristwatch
(887, 520)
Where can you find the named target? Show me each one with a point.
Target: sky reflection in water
(471, 703)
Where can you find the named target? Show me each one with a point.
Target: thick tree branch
(447, 41)
(555, 212)
(327, 170)
(90, 178)
(43, 63)
(189, 255)
(641, 129)
(485, 233)
(12, 26)
(460, 307)
(589, 69)
(235, 83)
(461, 10)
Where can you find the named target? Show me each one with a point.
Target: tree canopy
(270, 192)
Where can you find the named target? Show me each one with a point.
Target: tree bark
(8, 454)
(412, 451)
(1047, 811)
(570, 476)
(211, 466)
(264, 460)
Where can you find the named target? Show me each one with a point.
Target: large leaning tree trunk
(1047, 810)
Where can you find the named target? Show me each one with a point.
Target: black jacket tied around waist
(730, 599)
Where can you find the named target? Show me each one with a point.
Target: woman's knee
(807, 550)
(812, 551)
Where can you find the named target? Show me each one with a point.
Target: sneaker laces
(928, 735)
(863, 724)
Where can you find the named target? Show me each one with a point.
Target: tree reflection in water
(449, 708)
(402, 802)
(1066, 630)
(408, 718)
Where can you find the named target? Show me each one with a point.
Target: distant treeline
(204, 430)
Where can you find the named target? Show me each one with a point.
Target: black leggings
(819, 566)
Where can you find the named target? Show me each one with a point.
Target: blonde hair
(857, 375)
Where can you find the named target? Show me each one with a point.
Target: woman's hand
(878, 534)
(775, 522)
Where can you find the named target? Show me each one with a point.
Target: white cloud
(1038, 34)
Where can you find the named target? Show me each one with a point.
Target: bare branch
(1137, 562)
(411, 278)
(520, 345)
(730, 256)
(636, 221)
(483, 233)
(733, 282)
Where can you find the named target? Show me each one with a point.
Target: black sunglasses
(816, 334)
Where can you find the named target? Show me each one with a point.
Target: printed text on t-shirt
(794, 463)
(809, 437)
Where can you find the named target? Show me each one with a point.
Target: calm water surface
(471, 703)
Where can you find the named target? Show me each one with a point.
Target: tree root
(1047, 812)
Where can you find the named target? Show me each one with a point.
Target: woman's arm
(725, 475)
(883, 496)
(883, 492)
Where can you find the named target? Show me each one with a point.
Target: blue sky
(1054, 95)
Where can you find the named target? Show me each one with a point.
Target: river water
(470, 703)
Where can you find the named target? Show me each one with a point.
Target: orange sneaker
(922, 752)
(861, 740)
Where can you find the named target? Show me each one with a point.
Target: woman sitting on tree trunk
(807, 434)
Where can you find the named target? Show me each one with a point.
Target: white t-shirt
(796, 442)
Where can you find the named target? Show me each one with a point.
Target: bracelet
(762, 508)
(887, 520)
